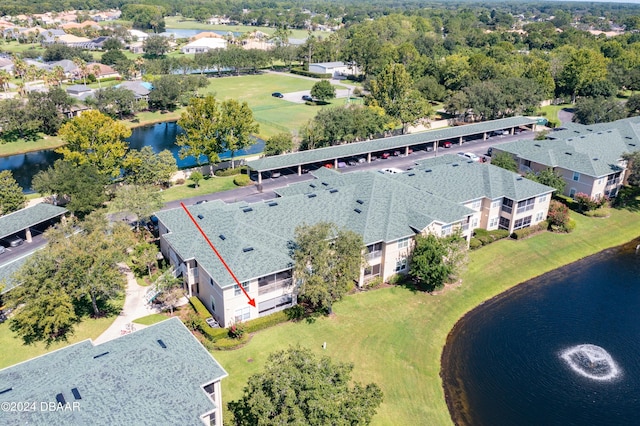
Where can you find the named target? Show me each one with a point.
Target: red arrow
(252, 302)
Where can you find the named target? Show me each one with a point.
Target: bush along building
(442, 195)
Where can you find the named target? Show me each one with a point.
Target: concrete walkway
(134, 307)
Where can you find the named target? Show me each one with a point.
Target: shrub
(236, 331)
(585, 203)
(499, 234)
(294, 313)
(227, 343)
(242, 180)
(558, 214)
(267, 321)
(300, 71)
(485, 239)
(180, 181)
(199, 307)
(230, 172)
(601, 212)
(570, 226)
(479, 232)
(526, 232)
(475, 243)
(373, 283)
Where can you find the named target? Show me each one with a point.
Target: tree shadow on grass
(412, 285)
(628, 199)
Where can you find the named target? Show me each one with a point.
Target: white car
(470, 155)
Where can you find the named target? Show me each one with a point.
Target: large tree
(327, 262)
(144, 167)
(298, 388)
(96, 139)
(278, 144)
(81, 184)
(11, 196)
(141, 201)
(155, 46)
(505, 161)
(236, 127)
(598, 110)
(437, 260)
(114, 102)
(323, 90)
(584, 68)
(633, 160)
(550, 178)
(393, 91)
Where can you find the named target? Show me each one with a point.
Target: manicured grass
(21, 147)
(550, 112)
(14, 351)
(394, 336)
(151, 319)
(206, 186)
(180, 23)
(15, 47)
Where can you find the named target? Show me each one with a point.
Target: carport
(25, 219)
(402, 143)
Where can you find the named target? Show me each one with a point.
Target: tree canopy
(278, 144)
(11, 196)
(323, 90)
(598, 110)
(504, 160)
(437, 260)
(550, 178)
(144, 167)
(327, 262)
(298, 388)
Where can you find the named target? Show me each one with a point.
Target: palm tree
(5, 77)
(82, 66)
(96, 72)
(140, 64)
(19, 66)
(58, 74)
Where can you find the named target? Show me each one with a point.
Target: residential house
(52, 36)
(204, 45)
(105, 71)
(589, 158)
(387, 210)
(81, 25)
(206, 34)
(140, 89)
(335, 69)
(138, 35)
(158, 375)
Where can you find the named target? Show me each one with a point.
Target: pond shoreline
(454, 394)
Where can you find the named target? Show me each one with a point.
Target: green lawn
(207, 186)
(14, 351)
(21, 147)
(395, 336)
(15, 47)
(550, 112)
(151, 319)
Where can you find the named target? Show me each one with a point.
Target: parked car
(385, 155)
(396, 153)
(489, 151)
(275, 175)
(12, 241)
(307, 98)
(202, 201)
(277, 95)
(469, 155)
(374, 158)
(2, 249)
(352, 162)
(361, 160)
(342, 164)
(447, 144)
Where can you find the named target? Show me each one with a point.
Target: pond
(561, 349)
(159, 136)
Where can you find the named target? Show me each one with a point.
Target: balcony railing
(276, 285)
(373, 255)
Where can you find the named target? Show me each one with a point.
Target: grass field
(151, 319)
(207, 185)
(551, 111)
(14, 351)
(180, 23)
(395, 336)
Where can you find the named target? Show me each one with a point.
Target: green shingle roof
(25, 218)
(8, 269)
(134, 382)
(596, 153)
(388, 210)
(462, 180)
(384, 144)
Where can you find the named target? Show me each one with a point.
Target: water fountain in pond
(591, 361)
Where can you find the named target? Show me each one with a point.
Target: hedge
(475, 243)
(265, 322)
(227, 343)
(199, 307)
(230, 172)
(525, 232)
(300, 71)
(482, 237)
(242, 180)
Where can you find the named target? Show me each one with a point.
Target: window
(401, 264)
(474, 223)
(542, 199)
(495, 204)
(476, 205)
(493, 222)
(403, 243)
(213, 303)
(576, 176)
(446, 230)
(526, 163)
(237, 291)
(525, 205)
(504, 223)
(507, 205)
(373, 270)
(613, 179)
(242, 314)
(213, 283)
(539, 216)
(523, 222)
(572, 192)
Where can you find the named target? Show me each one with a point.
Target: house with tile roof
(387, 210)
(158, 375)
(588, 157)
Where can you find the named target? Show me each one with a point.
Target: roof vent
(538, 145)
(99, 355)
(359, 201)
(6, 390)
(570, 139)
(412, 174)
(312, 195)
(312, 185)
(590, 130)
(60, 399)
(631, 144)
(161, 343)
(247, 210)
(575, 131)
(608, 131)
(582, 137)
(599, 133)
(568, 153)
(76, 393)
(333, 191)
(357, 210)
(247, 249)
(428, 171)
(272, 204)
(519, 178)
(628, 137)
(454, 165)
(200, 216)
(325, 183)
(595, 159)
(222, 237)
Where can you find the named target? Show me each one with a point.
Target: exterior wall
(214, 391)
(393, 253)
(537, 212)
(584, 183)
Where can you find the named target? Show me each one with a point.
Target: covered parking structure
(25, 219)
(429, 139)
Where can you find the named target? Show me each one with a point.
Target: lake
(159, 136)
(561, 349)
